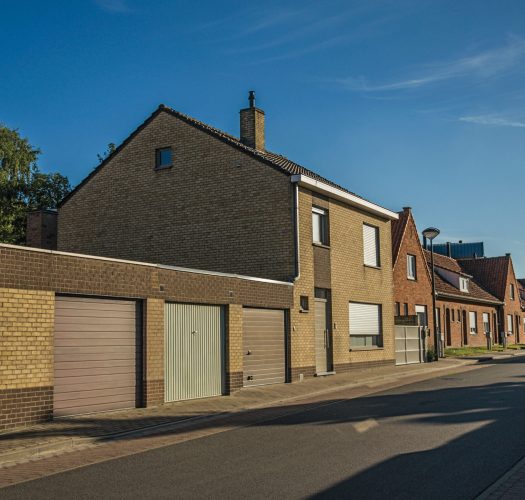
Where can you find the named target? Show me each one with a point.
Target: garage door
(194, 351)
(95, 355)
(264, 347)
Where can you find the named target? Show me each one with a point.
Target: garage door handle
(248, 353)
(194, 332)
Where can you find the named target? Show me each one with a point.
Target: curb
(64, 445)
(496, 484)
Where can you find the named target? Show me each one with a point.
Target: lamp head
(431, 233)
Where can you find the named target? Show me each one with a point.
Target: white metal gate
(194, 351)
(409, 347)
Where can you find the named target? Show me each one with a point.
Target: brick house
(412, 280)
(496, 275)
(465, 310)
(180, 192)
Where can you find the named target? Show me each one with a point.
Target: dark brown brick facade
(19, 407)
(215, 208)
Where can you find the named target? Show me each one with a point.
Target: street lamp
(430, 233)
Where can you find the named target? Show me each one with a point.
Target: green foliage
(22, 186)
(109, 151)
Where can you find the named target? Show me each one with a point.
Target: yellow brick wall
(26, 336)
(234, 354)
(350, 281)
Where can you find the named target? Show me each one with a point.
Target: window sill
(372, 267)
(366, 349)
(321, 245)
(411, 279)
(164, 167)
(473, 333)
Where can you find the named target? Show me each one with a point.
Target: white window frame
(510, 324)
(371, 256)
(463, 284)
(473, 322)
(411, 267)
(365, 336)
(486, 322)
(320, 215)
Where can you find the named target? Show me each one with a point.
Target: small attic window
(163, 158)
(463, 284)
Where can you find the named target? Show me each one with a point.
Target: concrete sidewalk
(67, 434)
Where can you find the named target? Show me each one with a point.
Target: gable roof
(274, 160)
(490, 272)
(398, 231)
(475, 291)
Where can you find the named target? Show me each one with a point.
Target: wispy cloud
(492, 120)
(483, 65)
(113, 5)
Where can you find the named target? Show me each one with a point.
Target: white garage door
(95, 355)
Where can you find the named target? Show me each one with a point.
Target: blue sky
(406, 102)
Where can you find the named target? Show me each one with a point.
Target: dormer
(457, 280)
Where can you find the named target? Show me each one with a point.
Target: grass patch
(476, 351)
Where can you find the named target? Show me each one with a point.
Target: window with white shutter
(473, 319)
(365, 325)
(371, 245)
(510, 329)
(486, 322)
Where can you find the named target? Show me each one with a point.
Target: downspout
(296, 232)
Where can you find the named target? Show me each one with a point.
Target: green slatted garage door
(194, 351)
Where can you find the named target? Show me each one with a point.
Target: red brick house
(496, 275)
(412, 280)
(182, 193)
(465, 311)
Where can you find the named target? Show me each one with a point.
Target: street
(449, 437)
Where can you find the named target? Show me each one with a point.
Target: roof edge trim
(339, 194)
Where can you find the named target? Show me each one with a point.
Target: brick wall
(216, 208)
(29, 279)
(350, 280)
(456, 337)
(26, 356)
(418, 291)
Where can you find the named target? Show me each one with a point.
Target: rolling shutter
(365, 319)
(95, 355)
(370, 245)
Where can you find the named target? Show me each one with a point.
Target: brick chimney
(42, 229)
(252, 125)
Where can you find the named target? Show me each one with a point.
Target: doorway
(448, 327)
(323, 336)
(464, 327)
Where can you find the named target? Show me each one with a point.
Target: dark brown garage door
(264, 347)
(95, 355)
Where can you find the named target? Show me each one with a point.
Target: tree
(22, 186)
(106, 154)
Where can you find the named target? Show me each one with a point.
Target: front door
(464, 327)
(322, 337)
(448, 327)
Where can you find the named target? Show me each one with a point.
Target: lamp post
(430, 233)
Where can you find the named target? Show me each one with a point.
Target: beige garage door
(264, 347)
(95, 355)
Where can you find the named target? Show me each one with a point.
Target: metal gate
(409, 347)
(95, 353)
(194, 351)
(264, 347)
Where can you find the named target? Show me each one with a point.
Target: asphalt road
(446, 438)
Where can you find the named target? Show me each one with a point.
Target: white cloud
(483, 65)
(493, 120)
